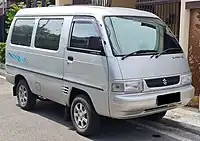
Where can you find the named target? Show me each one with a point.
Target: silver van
(97, 61)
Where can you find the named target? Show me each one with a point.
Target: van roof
(82, 10)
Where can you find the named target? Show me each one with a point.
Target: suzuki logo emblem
(164, 81)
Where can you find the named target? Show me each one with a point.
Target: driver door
(85, 65)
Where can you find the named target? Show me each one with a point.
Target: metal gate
(167, 10)
(101, 2)
(94, 2)
(2, 28)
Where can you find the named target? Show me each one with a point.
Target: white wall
(184, 26)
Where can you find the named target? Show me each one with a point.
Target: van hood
(147, 67)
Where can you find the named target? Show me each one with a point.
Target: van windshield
(144, 36)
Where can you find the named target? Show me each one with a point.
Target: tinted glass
(48, 34)
(22, 32)
(138, 34)
(81, 34)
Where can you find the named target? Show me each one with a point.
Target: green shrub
(14, 8)
(2, 52)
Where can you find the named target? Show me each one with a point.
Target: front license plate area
(168, 98)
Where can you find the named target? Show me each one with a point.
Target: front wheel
(84, 117)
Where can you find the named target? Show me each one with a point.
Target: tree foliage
(14, 8)
(2, 52)
(30, 3)
(10, 14)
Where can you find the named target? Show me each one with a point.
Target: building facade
(4, 4)
(190, 38)
(167, 10)
(127, 3)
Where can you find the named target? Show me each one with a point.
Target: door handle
(70, 58)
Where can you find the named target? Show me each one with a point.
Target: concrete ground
(45, 123)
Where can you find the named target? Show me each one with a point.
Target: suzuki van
(96, 61)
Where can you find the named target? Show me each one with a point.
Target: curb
(185, 116)
(191, 109)
(194, 102)
(2, 70)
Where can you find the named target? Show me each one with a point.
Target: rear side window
(22, 32)
(48, 34)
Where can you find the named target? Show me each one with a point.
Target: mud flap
(67, 116)
(14, 90)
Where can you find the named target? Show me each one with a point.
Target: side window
(48, 34)
(81, 35)
(22, 32)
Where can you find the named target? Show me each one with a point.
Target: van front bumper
(129, 106)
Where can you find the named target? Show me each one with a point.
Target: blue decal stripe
(17, 58)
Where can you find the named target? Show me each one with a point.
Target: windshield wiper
(166, 50)
(138, 52)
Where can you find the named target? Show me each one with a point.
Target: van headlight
(186, 79)
(134, 86)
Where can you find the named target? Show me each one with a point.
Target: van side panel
(42, 68)
(49, 72)
(16, 59)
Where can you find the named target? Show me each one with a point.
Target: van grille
(161, 82)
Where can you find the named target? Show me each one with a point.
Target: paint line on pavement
(2, 77)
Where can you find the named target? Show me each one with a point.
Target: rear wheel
(84, 117)
(26, 98)
(156, 117)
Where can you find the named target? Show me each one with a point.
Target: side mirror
(95, 43)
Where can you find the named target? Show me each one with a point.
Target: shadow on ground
(111, 130)
(183, 126)
(52, 111)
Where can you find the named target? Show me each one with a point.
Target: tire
(156, 117)
(93, 120)
(26, 99)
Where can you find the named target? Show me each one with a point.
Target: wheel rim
(23, 95)
(80, 115)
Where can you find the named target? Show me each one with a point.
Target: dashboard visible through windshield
(139, 36)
